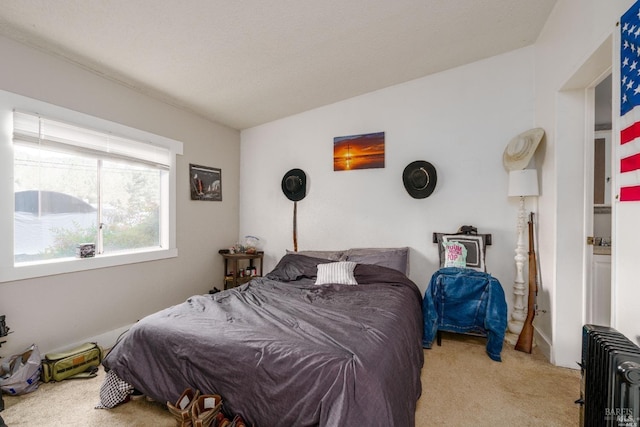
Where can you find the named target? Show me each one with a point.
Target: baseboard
(543, 343)
(105, 340)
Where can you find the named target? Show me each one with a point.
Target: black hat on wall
(419, 179)
(294, 184)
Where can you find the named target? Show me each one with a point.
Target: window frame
(10, 272)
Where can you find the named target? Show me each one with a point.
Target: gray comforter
(282, 351)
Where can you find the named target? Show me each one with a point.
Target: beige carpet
(461, 387)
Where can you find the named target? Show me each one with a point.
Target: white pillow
(475, 245)
(336, 272)
(455, 254)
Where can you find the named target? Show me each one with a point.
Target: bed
(282, 350)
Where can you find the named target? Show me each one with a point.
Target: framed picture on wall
(205, 183)
(364, 151)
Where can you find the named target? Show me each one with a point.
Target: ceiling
(247, 62)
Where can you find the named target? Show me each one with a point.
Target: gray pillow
(395, 258)
(330, 255)
(294, 266)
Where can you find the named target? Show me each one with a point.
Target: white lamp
(522, 183)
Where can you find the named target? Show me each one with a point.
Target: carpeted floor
(461, 387)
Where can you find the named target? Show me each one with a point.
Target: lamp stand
(519, 314)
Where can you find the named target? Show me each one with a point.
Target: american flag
(629, 150)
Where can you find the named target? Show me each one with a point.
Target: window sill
(70, 265)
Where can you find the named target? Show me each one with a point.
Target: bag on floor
(79, 362)
(20, 374)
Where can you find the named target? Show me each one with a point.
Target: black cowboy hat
(419, 179)
(294, 184)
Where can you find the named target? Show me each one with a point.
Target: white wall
(56, 311)
(460, 121)
(569, 58)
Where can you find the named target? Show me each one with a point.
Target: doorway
(598, 292)
(573, 169)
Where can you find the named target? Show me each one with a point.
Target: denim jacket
(464, 300)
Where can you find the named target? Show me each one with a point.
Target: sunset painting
(364, 151)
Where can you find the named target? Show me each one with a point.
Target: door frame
(590, 135)
(574, 127)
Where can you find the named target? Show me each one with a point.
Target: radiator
(610, 381)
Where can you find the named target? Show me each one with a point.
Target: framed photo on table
(205, 183)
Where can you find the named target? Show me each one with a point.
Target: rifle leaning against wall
(525, 340)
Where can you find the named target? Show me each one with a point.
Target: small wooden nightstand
(232, 275)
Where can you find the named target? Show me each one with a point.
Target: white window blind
(34, 129)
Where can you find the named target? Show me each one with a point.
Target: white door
(598, 185)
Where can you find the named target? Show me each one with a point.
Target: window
(74, 184)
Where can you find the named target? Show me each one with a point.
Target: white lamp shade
(523, 183)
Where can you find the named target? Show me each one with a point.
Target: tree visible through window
(66, 195)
